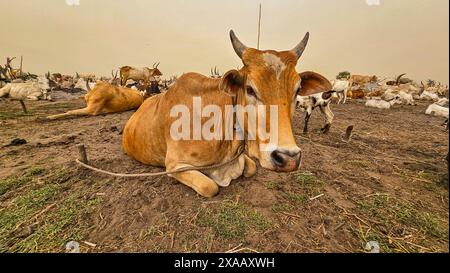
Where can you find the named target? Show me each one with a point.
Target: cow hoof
(250, 167)
(326, 129)
(208, 190)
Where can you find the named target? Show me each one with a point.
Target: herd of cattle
(382, 94)
(267, 78)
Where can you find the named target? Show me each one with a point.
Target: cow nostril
(278, 159)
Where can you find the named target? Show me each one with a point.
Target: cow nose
(289, 160)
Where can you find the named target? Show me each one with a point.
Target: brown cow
(356, 94)
(106, 98)
(268, 78)
(362, 80)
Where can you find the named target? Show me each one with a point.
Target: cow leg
(250, 167)
(199, 182)
(24, 108)
(326, 111)
(339, 97)
(79, 112)
(307, 117)
(88, 111)
(345, 95)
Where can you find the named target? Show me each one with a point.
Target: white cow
(82, 84)
(341, 87)
(31, 90)
(427, 95)
(405, 98)
(382, 104)
(443, 102)
(437, 110)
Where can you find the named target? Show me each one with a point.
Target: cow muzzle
(286, 160)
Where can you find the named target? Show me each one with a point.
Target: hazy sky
(396, 36)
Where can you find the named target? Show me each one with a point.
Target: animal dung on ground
(73, 247)
(372, 247)
(16, 142)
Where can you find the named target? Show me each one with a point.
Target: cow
(437, 110)
(321, 100)
(341, 87)
(268, 78)
(83, 85)
(356, 94)
(31, 90)
(361, 80)
(89, 77)
(382, 104)
(106, 98)
(144, 74)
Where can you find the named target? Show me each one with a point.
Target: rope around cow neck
(185, 169)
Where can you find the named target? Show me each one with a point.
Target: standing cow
(268, 78)
(144, 74)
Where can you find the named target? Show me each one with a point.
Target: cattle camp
(182, 141)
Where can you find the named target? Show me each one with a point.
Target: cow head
(155, 72)
(269, 78)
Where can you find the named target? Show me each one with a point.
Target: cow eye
(250, 91)
(298, 91)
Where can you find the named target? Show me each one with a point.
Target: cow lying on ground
(427, 95)
(106, 98)
(437, 110)
(382, 104)
(84, 85)
(401, 97)
(321, 100)
(356, 94)
(268, 78)
(31, 90)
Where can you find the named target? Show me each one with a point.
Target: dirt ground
(388, 184)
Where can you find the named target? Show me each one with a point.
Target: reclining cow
(38, 89)
(106, 98)
(268, 78)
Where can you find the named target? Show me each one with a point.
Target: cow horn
(114, 75)
(157, 64)
(212, 73)
(298, 50)
(399, 78)
(238, 46)
(87, 86)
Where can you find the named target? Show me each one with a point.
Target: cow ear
(232, 82)
(313, 83)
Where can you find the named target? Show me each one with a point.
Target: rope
(185, 169)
